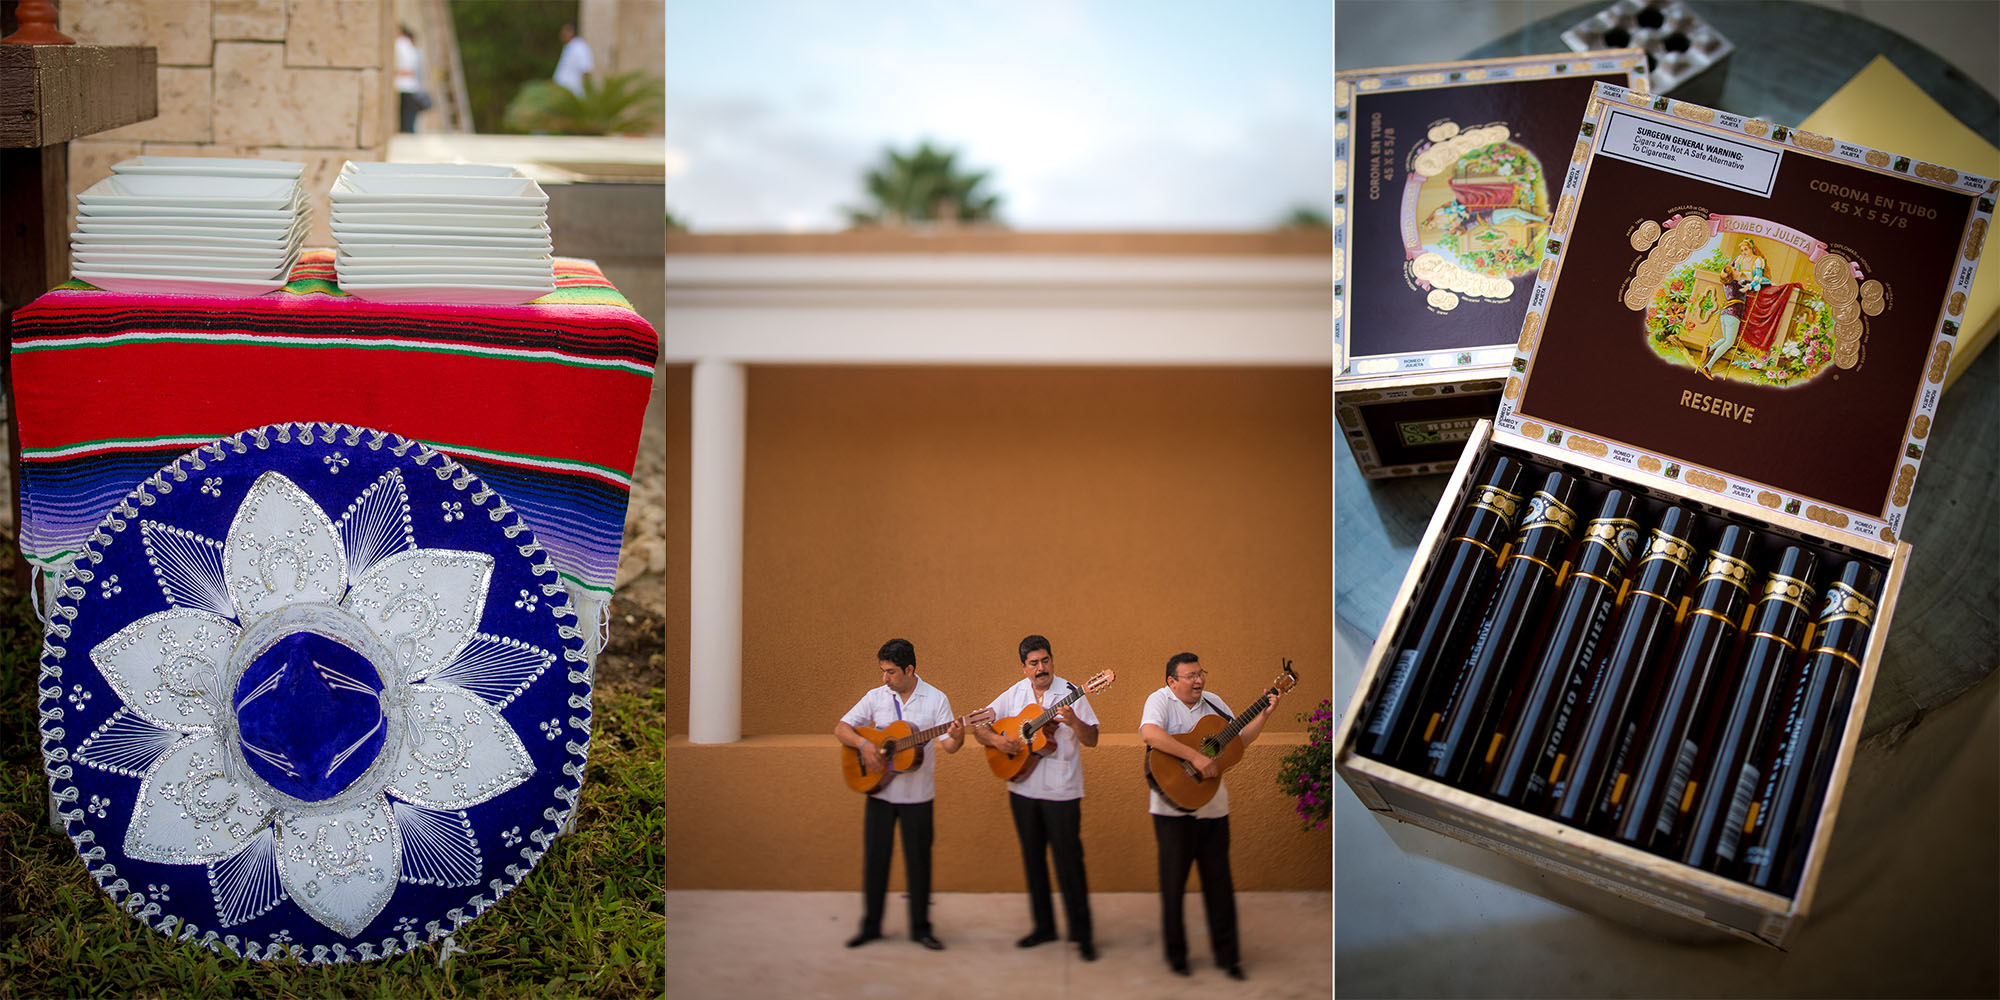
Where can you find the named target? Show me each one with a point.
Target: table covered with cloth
(543, 401)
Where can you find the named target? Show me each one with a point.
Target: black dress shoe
(1034, 939)
(1087, 950)
(863, 938)
(928, 941)
(1236, 973)
(1180, 966)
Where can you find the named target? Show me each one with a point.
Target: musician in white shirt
(1048, 804)
(1199, 838)
(906, 798)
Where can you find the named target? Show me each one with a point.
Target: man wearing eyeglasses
(1200, 838)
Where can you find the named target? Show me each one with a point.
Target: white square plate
(440, 188)
(431, 221)
(529, 271)
(231, 257)
(347, 230)
(152, 284)
(174, 268)
(377, 169)
(462, 294)
(214, 166)
(435, 241)
(190, 191)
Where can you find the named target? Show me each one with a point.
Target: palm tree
(923, 186)
(1303, 216)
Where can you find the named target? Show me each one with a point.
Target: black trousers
(878, 831)
(1057, 827)
(1185, 842)
(406, 111)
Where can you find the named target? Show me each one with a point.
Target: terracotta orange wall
(770, 812)
(1127, 514)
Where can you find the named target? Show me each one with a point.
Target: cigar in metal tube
(1780, 822)
(1582, 612)
(1402, 713)
(1665, 757)
(1590, 748)
(1498, 648)
(1729, 780)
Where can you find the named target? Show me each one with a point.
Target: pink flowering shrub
(1306, 773)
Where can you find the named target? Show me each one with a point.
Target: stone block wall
(305, 80)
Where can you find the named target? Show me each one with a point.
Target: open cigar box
(1743, 323)
(1445, 177)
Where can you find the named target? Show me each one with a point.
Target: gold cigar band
(1497, 500)
(1790, 590)
(1728, 568)
(1475, 541)
(1843, 601)
(1532, 559)
(1544, 509)
(1605, 532)
(1719, 616)
(1673, 550)
(1816, 650)
(1789, 644)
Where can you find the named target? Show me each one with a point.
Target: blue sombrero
(311, 691)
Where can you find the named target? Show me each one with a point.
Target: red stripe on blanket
(529, 408)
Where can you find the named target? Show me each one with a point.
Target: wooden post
(50, 94)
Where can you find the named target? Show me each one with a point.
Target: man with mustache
(1201, 837)
(905, 799)
(1048, 803)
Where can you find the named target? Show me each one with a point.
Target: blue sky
(1090, 114)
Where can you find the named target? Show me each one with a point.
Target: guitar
(1178, 781)
(903, 748)
(1031, 728)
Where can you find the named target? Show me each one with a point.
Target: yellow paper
(1880, 107)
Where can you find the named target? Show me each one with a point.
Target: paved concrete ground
(792, 944)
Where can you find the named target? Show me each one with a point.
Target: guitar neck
(1244, 718)
(1050, 712)
(923, 736)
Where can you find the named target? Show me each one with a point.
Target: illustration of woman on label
(1475, 213)
(1750, 266)
(1746, 311)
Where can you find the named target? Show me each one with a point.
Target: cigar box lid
(1445, 180)
(1843, 271)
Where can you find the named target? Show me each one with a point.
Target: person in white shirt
(575, 63)
(1048, 803)
(906, 797)
(409, 79)
(1200, 838)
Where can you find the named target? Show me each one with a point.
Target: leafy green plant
(621, 104)
(503, 44)
(1305, 217)
(925, 185)
(1306, 773)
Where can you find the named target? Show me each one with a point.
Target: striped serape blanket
(543, 401)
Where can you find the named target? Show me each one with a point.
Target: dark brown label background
(1836, 439)
(1385, 314)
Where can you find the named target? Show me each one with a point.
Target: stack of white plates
(191, 225)
(426, 232)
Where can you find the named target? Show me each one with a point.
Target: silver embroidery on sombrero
(286, 568)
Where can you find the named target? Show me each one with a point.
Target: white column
(715, 554)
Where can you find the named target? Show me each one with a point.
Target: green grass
(590, 920)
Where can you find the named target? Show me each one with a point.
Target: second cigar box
(1740, 333)
(1445, 185)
